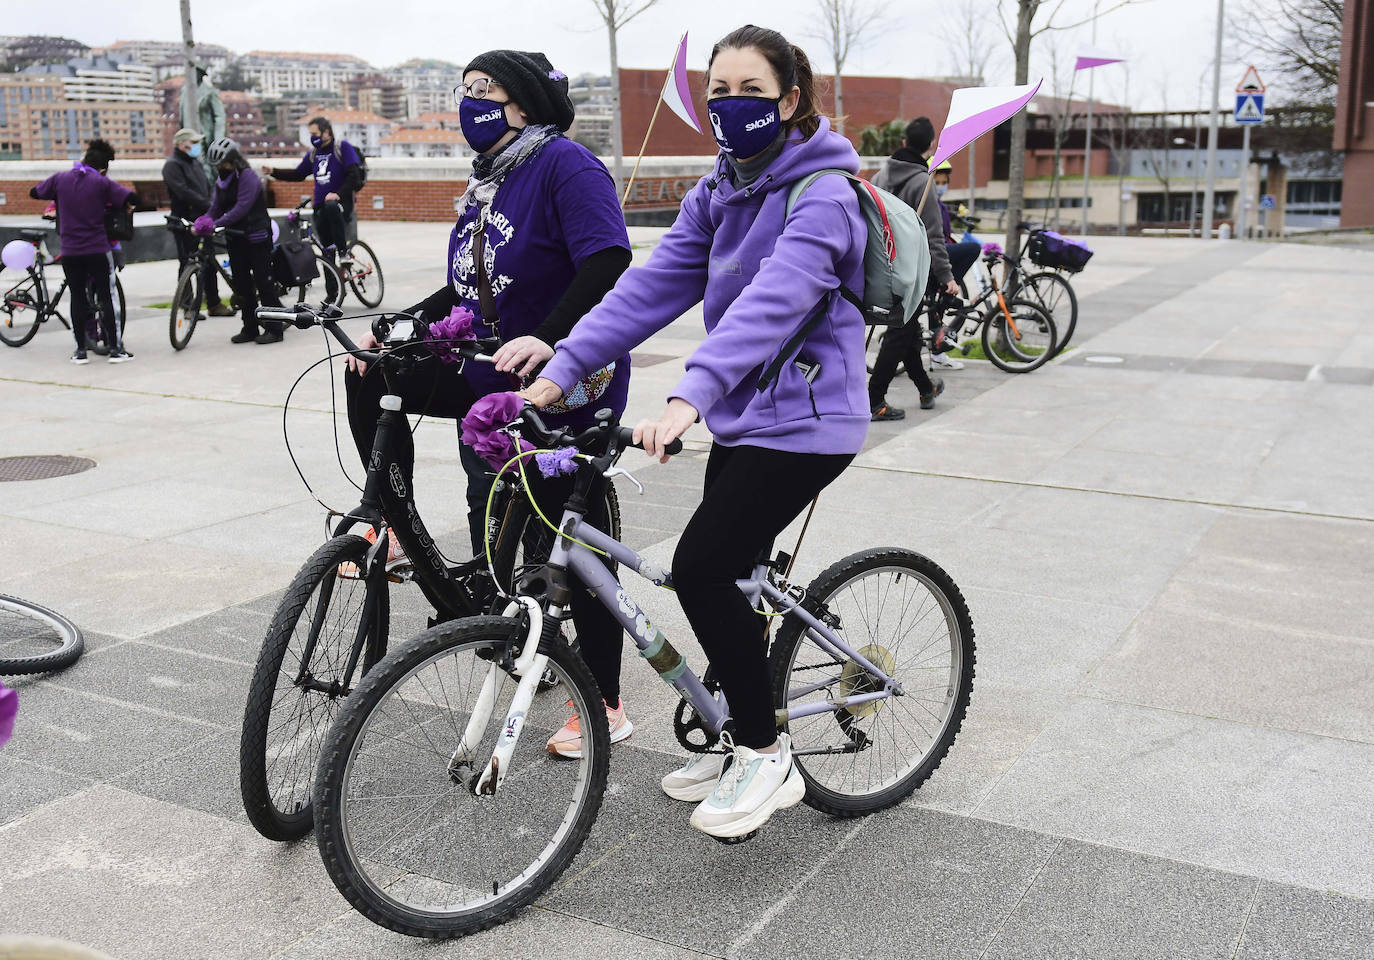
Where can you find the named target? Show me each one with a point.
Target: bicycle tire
(870, 364)
(783, 657)
(337, 834)
(1062, 306)
(368, 286)
(20, 298)
(328, 276)
(73, 642)
(1018, 358)
(271, 815)
(180, 325)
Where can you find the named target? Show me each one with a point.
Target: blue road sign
(1249, 108)
(1267, 202)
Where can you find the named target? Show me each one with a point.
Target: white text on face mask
(494, 115)
(760, 124)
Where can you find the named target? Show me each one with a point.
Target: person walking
(83, 195)
(240, 204)
(905, 174)
(189, 193)
(759, 273)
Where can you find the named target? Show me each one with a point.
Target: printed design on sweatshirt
(499, 232)
(322, 170)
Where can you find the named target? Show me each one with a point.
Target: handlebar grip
(626, 437)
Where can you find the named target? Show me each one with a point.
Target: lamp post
(1088, 132)
(1209, 197)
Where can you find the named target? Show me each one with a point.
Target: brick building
(1355, 114)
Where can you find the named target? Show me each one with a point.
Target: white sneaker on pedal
(695, 779)
(944, 362)
(752, 786)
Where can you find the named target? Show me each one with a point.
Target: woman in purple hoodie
(759, 273)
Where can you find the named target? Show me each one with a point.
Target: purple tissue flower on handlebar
(483, 426)
(203, 226)
(562, 460)
(456, 326)
(992, 248)
(9, 706)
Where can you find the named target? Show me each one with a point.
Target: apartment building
(106, 79)
(166, 57)
(425, 143)
(276, 74)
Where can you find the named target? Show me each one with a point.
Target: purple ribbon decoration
(483, 425)
(456, 326)
(554, 462)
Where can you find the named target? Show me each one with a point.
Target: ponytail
(790, 65)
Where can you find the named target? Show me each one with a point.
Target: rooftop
(344, 116)
(424, 136)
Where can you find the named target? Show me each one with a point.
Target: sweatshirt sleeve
(47, 190)
(645, 299)
(249, 188)
(802, 268)
(298, 173)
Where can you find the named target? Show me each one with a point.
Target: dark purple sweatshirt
(82, 194)
(759, 274)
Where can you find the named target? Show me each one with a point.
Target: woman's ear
(789, 103)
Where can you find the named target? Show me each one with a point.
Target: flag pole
(629, 184)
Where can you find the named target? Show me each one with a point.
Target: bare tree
(1061, 120)
(1301, 40)
(1159, 139)
(967, 39)
(1018, 19)
(843, 27)
(616, 14)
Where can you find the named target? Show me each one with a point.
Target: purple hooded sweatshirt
(759, 279)
(82, 194)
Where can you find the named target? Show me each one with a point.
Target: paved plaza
(1165, 538)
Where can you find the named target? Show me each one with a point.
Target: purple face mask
(226, 178)
(744, 126)
(483, 122)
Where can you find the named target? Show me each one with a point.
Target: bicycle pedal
(964, 348)
(733, 841)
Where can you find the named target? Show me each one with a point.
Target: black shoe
(269, 336)
(884, 411)
(221, 310)
(244, 336)
(928, 399)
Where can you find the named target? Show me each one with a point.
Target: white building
(104, 79)
(276, 73)
(425, 143)
(166, 57)
(366, 131)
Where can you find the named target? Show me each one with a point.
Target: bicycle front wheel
(363, 271)
(1053, 294)
(300, 679)
(1025, 343)
(186, 304)
(28, 625)
(904, 615)
(400, 830)
(20, 312)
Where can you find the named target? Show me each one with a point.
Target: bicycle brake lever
(617, 471)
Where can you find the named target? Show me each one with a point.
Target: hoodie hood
(898, 173)
(825, 150)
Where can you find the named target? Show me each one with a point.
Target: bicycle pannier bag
(1049, 249)
(293, 263)
(119, 223)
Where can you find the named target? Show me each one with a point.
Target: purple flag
(677, 92)
(1089, 57)
(973, 111)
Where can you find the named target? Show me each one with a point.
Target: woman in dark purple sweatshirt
(759, 273)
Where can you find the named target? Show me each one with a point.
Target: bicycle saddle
(28, 233)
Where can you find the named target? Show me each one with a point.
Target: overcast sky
(1168, 42)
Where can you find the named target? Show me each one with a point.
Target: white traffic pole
(1209, 194)
(1243, 200)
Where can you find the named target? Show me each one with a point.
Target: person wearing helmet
(962, 253)
(240, 205)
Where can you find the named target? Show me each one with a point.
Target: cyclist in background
(189, 192)
(962, 255)
(88, 261)
(338, 172)
(241, 204)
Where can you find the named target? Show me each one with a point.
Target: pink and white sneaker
(567, 742)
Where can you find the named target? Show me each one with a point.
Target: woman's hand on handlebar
(655, 436)
(366, 342)
(521, 356)
(542, 392)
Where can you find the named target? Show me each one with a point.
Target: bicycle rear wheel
(400, 830)
(363, 271)
(1053, 294)
(21, 312)
(906, 616)
(186, 307)
(25, 626)
(1026, 347)
(301, 678)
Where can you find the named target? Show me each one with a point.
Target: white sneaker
(752, 786)
(695, 779)
(943, 361)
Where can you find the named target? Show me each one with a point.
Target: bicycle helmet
(944, 168)
(221, 149)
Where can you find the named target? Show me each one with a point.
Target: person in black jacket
(189, 192)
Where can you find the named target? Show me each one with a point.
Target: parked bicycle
(358, 263)
(36, 627)
(28, 304)
(188, 302)
(439, 810)
(332, 625)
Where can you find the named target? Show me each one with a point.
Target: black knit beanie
(532, 82)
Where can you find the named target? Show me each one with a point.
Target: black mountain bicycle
(332, 624)
(27, 304)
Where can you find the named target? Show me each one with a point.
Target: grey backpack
(896, 263)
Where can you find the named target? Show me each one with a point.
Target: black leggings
(93, 272)
(751, 495)
(439, 390)
(899, 345)
(250, 261)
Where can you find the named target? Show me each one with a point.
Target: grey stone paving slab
(908, 884)
(141, 879)
(1092, 901)
(61, 543)
(1358, 376)
(1200, 790)
(200, 687)
(30, 785)
(203, 776)
(1148, 474)
(1290, 923)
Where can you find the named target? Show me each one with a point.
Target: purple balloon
(276, 232)
(18, 255)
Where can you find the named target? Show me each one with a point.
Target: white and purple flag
(1089, 57)
(973, 111)
(677, 92)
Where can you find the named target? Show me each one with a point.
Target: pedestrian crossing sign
(1249, 108)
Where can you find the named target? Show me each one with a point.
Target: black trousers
(331, 226)
(251, 263)
(89, 273)
(209, 276)
(899, 345)
(751, 495)
(440, 390)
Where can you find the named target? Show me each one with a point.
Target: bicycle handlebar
(614, 437)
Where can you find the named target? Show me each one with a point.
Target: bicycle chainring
(689, 729)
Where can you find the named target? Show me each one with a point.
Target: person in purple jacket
(83, 194)
(240, 205)
(759, 273)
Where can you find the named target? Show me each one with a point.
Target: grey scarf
(483, 189)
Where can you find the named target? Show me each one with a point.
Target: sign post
(1249, 111)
